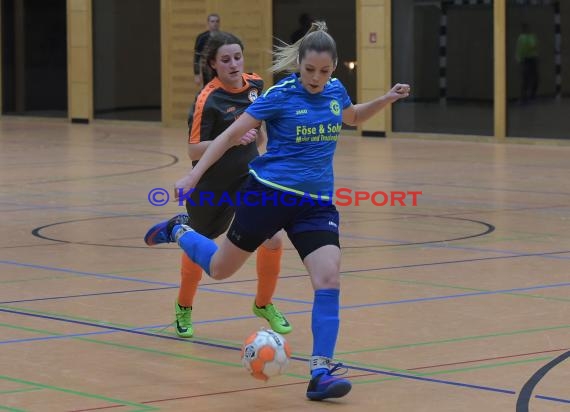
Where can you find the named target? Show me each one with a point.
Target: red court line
(488, 359)
(210, 394)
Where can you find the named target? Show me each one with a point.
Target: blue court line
(460, 295)
(92, 274)
(432, 244)
(529, 386)
(210, 344)
(301, 312)
(433, 380)
(364, 305)
(551, 398)
(445, 262)
(75, 335)
(80, 273)
(85, 295)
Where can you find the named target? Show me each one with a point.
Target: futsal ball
(265, 353)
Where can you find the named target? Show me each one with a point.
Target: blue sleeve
(345, 97)
(266, 106)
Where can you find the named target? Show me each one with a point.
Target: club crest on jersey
(335, 107)
(252, 95)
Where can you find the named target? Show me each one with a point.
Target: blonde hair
(286, 58)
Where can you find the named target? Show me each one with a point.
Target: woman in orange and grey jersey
(211, 205)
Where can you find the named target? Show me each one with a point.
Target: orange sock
(190, 275)
(268, 268)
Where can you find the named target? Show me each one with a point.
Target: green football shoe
(276, 319)
(183, 321)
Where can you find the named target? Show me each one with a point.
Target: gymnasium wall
(372, 44)
(79, 60)
(182, 21)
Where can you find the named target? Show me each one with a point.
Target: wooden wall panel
(80, 60)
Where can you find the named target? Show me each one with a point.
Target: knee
(276, 242)
(220, 269)
(332, 282)
(327, 278)
(219, 275)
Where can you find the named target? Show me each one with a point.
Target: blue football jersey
(303, 131)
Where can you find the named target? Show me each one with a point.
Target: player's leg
(190, 276)
(218, 264)
(315, 236)
(268, 266)
(323, 266)
(210, 219)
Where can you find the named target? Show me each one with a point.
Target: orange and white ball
(265, 353)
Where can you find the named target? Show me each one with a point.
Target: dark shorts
(263, 211)
(212, 211)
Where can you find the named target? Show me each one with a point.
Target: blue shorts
(264, 211)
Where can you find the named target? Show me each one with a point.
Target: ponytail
(286, 58)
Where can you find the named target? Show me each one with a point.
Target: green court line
(385, 367)
(367, 365)
(454, 340)
(6, 408)
(202, 339)
(445, 286)
(20, 390)
(139, 348)
(139, 406)
(59, 315)
(409, 345)
(489, 366)
(161, 331)
(458, 370)
(360, 351)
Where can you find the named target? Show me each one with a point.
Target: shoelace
(338, 370)
(274, 312)
(183, 316)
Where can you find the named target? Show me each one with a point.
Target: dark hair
(288, 57)
(214, 43)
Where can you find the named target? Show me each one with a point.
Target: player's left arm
(357, 113)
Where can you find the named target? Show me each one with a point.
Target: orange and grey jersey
(214, 110)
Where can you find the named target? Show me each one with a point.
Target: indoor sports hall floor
(460, 303)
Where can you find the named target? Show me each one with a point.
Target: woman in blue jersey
(288, 186)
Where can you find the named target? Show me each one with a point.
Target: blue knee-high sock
(198, 247)
(325, 324)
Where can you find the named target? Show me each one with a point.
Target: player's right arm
(232, 136)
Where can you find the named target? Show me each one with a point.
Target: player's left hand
(399, 91)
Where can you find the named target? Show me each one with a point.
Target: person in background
(305, 21)
(202, 73)
(527, 58)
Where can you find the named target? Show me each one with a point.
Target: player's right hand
(183, 186)
(248, 137)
